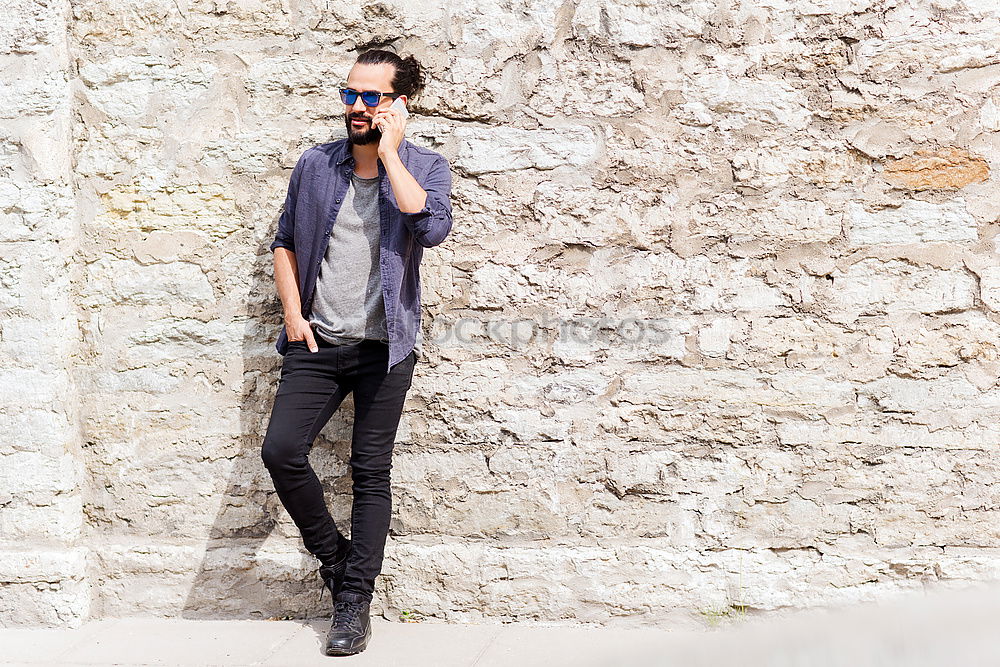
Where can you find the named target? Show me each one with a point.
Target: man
(358, 215)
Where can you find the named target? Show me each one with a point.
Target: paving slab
(155, 641)
(424, 644)
(551, 646)
(44, 645)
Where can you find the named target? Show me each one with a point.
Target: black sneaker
(333, 575)
(350, 628)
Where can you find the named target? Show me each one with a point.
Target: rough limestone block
(44, 587)
(57, 518)
(989, 286)
(115, 281)
(913, 222)
(872, 286)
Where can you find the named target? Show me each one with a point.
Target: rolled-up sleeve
(431, 224)
(285, 237)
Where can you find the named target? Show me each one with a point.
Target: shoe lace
(346, 613)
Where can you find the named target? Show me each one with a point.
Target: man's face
(367, 77)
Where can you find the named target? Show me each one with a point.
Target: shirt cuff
(422, 213)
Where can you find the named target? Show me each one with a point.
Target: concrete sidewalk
(150, 641)
(937, 628)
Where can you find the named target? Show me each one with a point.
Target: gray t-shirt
(349, 306)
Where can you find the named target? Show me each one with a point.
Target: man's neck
(365, 157)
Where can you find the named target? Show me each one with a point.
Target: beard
(361, 137)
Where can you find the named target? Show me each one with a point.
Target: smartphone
(398, 104)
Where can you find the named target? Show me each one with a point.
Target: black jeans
(311, 388)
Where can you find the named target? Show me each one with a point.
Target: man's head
(384, 72)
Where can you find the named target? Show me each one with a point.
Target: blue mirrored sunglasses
(371, 98)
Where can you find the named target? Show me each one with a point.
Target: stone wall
(44, 547)
(716, 327)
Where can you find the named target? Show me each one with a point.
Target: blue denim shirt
(316, 190)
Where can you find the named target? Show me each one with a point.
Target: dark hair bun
(409, 77)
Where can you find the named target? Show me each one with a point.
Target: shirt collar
(345, 150)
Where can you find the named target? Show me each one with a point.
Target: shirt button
(338, 201)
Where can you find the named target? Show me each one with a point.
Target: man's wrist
(389, 157)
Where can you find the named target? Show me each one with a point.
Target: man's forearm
(286, 279)
(409, 195)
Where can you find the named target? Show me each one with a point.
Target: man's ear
(406, 101)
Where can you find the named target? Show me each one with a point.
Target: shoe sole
(354, 649)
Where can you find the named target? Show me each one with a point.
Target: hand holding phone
(399, 106)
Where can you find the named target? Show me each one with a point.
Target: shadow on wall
(255, 565)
